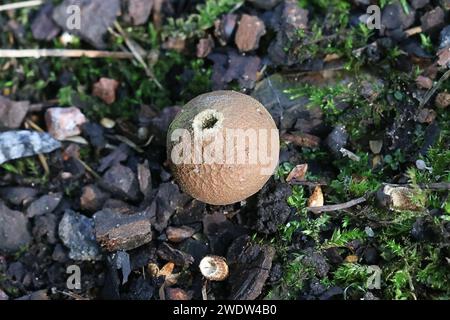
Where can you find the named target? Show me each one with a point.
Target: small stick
(62, 53)
(20, 5)
(335, 207)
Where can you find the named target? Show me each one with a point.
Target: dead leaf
(298, 173)
(351, 259)
(316, 199)
(166, 270)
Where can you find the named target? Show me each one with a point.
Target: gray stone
(138, 11)
(3, 295)
(43, 26)
(287, 112)
(14, 232)
(116, 231)
(23, 143)
(43, 205)
(121, 181)
(96, 17)
(337, 139)
(77, 233)
(18, 195)
(12, 113)
(264, 4)
(444, 37)
(395, 17)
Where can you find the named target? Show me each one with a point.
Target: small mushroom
(214, 268)
(223, 147)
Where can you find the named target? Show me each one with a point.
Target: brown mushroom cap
(213, 114)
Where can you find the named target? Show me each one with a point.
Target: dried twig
(134, 48)
(63, 53)
(431, 92)
(20, 5)
(336, 207)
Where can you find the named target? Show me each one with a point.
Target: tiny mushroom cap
(214, 268)
(223, 147)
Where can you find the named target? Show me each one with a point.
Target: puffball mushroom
(214, 268)
(223, 147)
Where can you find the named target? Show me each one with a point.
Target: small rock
(138, 11)
(249, 31)
(442, 100)
(233, 66)
(250, 266)
(14, 232)
(291, 18)
(12, 113)
(141, 289)
(64, 122)
(159, 125)
(43, 205)
(317, 261)
(397, 198)
(432, 19)
(204, 47)
(92, 198)
(77, 233)
(105, 89)
(224, 28)
(375, 146)
(20, 144)
(418, 4)
(444, 38)
(95, 133)
(301, 139)
(395, 17)
(444, 56)
(370, 296)
(121, 181)
(144, 178)
(179, 234)
(40, 295)
(176, 43)
(331, 292)
(193, 212)
(177, 294)
(337, 139)
(119, 206)
(426, 115)
(424, 82)
(18, 195)
(180, 258)
(118, 155)
(116, 231)
(3, 296)
(273, 209)
(371, 256)
(264, 4)
(59, 254)
(92, 28)
(43, 27)
(167, 200)
(45, 228)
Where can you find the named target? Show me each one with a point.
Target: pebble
(249, 32)
(43, 205)
(77, 233)
(63, 123)
(14, 233)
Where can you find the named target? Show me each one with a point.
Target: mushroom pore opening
(207, 121)
(208, 267)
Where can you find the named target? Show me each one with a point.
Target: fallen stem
(336, 207)
(63, 53)
(20, 5)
